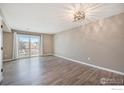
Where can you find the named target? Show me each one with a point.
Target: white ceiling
(53, 18)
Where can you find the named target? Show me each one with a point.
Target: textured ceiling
(53, 18)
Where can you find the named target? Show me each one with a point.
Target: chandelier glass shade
(79, 15)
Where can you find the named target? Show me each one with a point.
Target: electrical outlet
(5, 55)
(88, 58)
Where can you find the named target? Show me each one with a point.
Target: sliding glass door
(23, 46)
(28, 45)
(34, 45)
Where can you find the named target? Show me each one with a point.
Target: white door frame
(1, 52)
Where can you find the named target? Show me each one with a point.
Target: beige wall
(102, 41)
(47, 44)
(7, 45)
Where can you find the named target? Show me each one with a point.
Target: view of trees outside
(28, 45)
(35, 46)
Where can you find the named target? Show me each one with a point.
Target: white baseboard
(91, 65)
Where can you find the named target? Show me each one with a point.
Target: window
(28, 45)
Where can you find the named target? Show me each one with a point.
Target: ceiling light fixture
(79, 15)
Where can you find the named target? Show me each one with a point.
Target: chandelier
(79, 15)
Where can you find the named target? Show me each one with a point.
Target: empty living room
(61, 44)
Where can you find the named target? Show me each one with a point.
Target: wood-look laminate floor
(52, 70)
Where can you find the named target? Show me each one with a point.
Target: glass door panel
(23, 45)
(35, 45)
